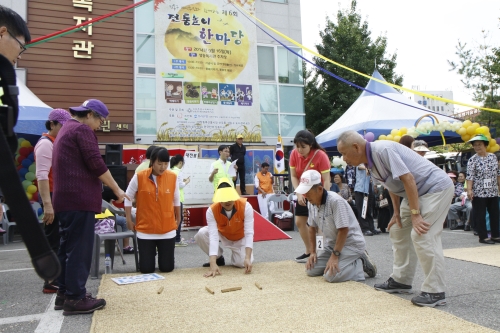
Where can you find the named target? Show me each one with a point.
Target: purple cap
(59, 115)
(94, 105)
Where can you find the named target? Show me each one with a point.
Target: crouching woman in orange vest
(158, 212)
(230, 220)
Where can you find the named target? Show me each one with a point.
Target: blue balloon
(40, 211)
(31, 157)
(26, 163)
(23, 172)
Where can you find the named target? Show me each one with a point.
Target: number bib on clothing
(319, 243)
(365, 207)
(488, 183)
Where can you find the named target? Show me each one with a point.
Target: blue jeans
(122, 222)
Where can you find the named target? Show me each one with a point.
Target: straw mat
(487, 254)
(288, 302)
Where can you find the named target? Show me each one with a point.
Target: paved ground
(473, 289)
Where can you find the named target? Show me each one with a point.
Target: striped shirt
(388, 160)
(335, 213)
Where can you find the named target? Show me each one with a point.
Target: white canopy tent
(372, 113)
(33, 113)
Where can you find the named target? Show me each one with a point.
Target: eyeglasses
(21, 45)
(98, 116)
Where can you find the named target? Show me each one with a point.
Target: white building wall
(435, 105)
(284, 17)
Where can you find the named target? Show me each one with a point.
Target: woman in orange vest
(158, 212)
(230, 220)
(264, 184)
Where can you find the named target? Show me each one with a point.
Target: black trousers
(52, 231)
(240, 173)
(366, 224)
(75, 251)
(479, 206)
(147, 254)
(178, 232)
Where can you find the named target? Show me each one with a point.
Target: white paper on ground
(137, 278)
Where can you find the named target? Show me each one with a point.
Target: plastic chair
(6, 224)
(109, 245)
(278, 208)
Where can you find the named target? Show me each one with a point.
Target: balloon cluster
(25, 162)
(469, 129)
(395, 135)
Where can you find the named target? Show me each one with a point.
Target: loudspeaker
(114, 154)
(119, 173)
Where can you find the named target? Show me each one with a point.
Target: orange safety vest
(155, 203)
(233, 229)
(265, 182)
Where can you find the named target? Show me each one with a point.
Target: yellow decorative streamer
(362, 74)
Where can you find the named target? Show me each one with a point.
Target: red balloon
(31, 149)
(20, 159)
(19, 167)
(34, 197)
(24, 151)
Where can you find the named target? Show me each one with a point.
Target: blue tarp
(33, 113)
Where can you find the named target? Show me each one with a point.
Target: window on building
(145, 49)
(290, 125)
(145, 122)
(433, 109)
(145, 101)
(442, 108)
(291, 99)
(289, 66)
(269, 124)
(268, 98)
(265, 58)
(145, 18)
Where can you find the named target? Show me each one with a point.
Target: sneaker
(2, 231)
(50, 288)
(392, 287)
(60, 298)
(88, 304)
(303, 258)
(458, 227)
(429, 299)
(368, 266)
(182, 243)
(220, 262)
(128, 250)
(467, 227)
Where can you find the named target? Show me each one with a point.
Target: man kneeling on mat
(230, 220)
(342, 256)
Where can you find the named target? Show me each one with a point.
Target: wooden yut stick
(230, 289)
(210, 290)
(160, 290)
(258, 285)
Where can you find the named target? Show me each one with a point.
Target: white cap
(421, 148)
(307, 180)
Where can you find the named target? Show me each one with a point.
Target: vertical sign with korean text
(207, 75)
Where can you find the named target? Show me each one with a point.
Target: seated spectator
(122, 222)
(464, 205)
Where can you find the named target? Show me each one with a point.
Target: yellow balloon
(403, 130)
(492, 143)
(397, 138)
(389, 137)
(496, 148)
(399, 134)
(471, 130)
(29, 195)
(466, 123)
(31, 189)
(485, 129)
(475, 125)
(466, 137)
(479, 130)
(488, 135)
(394, 132)
(382, 137)
(462, 131)
(26, 144)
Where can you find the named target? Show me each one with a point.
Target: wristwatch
(415, 212)
(337, 253)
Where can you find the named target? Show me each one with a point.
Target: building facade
(444, 108)
(118, 62)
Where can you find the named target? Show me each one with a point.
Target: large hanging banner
(206, 72)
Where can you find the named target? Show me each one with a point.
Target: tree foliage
(347, 41)
(479, 67)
